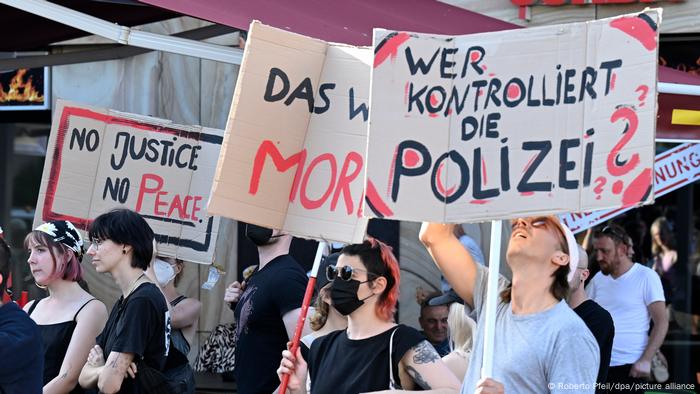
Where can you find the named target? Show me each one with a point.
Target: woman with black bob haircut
(132, 348)
(373, 353)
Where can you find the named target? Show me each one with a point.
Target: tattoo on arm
(417, 377)
(119, 362)
(424, 353)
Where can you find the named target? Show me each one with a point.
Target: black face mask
(260, 236)
(344, 295)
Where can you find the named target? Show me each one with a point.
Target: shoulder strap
(177, 300)
(31, 308)
(81, 308)
(392, 382)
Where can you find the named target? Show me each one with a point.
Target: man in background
(597, 319)
(633, 295)
(267, 307)
(433, 323)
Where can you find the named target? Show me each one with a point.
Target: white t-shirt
(627, 299)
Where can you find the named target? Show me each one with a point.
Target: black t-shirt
(260, 332)
(601, 325)
(340, 365)
(139, 324)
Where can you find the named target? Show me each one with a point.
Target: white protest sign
(293, 156)
(99, 159)
(674, 169)
(515, 123)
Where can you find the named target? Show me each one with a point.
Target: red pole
(304, 309)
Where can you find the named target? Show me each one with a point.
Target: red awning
(349, 22)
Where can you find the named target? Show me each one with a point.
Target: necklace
(131, 286)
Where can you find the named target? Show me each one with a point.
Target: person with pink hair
(70, 318)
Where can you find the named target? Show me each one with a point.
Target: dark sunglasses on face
(345, 272)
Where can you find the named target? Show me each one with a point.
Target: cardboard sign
(100, 159)
(674, 169)
(515, 123)
(293, 155)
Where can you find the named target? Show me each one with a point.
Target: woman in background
(184, 315)
(70, 318)
(462, 329)
(665, 257)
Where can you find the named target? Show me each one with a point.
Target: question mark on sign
(600, 182)
(644, 89)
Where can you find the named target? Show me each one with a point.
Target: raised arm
(90, 323)
(451, 257)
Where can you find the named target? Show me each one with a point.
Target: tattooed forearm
(424, 353)
(416, 376)
(120, 362)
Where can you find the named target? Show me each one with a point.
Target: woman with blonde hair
(70, 318)
(462, 329)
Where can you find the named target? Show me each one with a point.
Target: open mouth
(519, 234)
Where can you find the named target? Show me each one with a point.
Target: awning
(348, 22)
(22, 31)
(351, 22)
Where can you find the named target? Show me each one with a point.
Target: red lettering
(268, 148)
(313, 204)
(614, 167)
(344, 181)
(195, 207)
(158, 203)
(185, 202)
(144, 189)
(177, 204)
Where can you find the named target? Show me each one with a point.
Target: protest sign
(515, 123)
(293, 156)
(99, 159)
(674, 169)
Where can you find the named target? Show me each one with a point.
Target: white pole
(489, 319)
(677, 88)
(126, 35)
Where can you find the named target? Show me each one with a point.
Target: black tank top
(56, 338)
(176, 335)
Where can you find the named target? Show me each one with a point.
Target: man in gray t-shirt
(552, 349)
(540, 344)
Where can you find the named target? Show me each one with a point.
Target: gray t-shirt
(547, 352)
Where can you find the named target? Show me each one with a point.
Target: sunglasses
(613, 232)
(345, 272)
